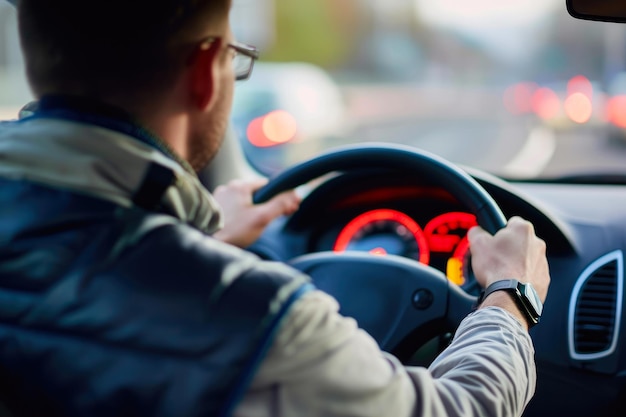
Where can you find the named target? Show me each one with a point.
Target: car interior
(382, 228)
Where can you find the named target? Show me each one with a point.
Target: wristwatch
(525, 296)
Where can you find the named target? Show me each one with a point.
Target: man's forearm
(322, 364)
(489, 368)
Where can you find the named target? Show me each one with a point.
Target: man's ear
(203, 73)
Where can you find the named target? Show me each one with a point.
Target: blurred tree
(320, 32)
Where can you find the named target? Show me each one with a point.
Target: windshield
(519, 89)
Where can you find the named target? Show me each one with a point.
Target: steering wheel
(399, 302)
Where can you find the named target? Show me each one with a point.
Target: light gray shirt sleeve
(322, 364)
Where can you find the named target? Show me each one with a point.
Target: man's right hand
(244, 221)
(513, 252)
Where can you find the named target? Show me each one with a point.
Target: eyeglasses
(243, 57)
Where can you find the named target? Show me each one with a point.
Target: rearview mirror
(604, 10)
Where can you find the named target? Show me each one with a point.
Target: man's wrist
(505, 300)
(524, 295)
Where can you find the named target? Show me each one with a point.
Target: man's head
(134, 53)
(98, 46)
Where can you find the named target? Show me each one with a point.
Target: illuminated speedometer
(382, 232)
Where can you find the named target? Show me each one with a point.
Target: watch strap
(505, 284)
(519, 293)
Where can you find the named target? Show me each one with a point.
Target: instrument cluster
(441, 242)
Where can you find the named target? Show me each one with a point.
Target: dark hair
(101, 47)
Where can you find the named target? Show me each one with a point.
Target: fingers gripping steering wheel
(400, 302)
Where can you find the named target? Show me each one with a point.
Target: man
(116, 299)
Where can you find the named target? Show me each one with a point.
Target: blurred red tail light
(274, 128)
(616, 111)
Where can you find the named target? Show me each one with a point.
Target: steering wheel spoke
(394, 299)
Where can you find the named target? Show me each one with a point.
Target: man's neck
(164, 131)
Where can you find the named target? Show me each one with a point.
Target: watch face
(528, 291)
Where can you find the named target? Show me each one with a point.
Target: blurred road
(485, 144)
(587, 150)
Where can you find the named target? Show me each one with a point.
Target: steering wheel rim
(355, 279)
(393, 157)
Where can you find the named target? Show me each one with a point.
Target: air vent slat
(598, 304)
(600, 323)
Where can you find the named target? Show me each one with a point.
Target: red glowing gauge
(447, 239)
(381, 232)
(444, 232)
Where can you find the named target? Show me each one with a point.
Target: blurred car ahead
(285, 112)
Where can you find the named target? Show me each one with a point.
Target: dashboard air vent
(595, 308)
